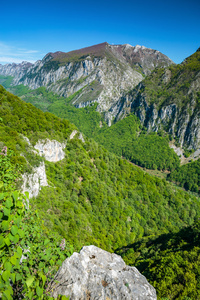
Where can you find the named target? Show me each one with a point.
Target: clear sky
(29, 30)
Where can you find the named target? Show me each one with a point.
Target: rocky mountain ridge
(102, 73)
(168, 99)
(16, 70)
(114, 77)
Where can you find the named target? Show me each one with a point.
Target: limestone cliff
(16, 70)
(33, 182)
(51, 151)
(168, 99)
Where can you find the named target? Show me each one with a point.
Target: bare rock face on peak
(97, 274)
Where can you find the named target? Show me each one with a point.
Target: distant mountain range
(102, 73)
(123, 79)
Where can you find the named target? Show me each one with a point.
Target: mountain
(13, 69)
(165, 101)
(168, 99)
(101, 73)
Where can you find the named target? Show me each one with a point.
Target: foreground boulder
(97, 274)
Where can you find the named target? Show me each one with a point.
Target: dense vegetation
(171, 262)
(95, 197)
(92, 192)
(17, 120)
(126, 138)
(187, 176)
(129, 139)
(29, 254)
(86, 119)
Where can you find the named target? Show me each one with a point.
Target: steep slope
(171, 262)
(169, 99)
(187, 176)
(100, 73)
(127, 138)
(92, 196)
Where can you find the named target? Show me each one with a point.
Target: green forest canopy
(126, 138)
(94, 197)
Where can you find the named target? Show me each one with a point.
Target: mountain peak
(127, 45)
(96, 50)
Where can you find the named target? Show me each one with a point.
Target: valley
(117, 112)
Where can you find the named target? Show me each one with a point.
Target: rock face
(80, 137)
(102, 73)
(33, 182)
(142, 58)
(168, 99)
(51, 150)
(16, 70)
(96, 274)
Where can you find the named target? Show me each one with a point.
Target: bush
(29, 255)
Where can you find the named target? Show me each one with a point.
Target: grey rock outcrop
(97, 274)
(140, 57)
(33, 182)
(183, 123)
(16, 70)
(51, 150)
(80, 137)
(72, 135)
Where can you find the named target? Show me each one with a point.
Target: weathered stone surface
(72, 135)
(97, 274)
(177, 150)
(33, 182)
(17, 70)
(51, 150)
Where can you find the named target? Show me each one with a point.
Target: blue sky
(29, 30)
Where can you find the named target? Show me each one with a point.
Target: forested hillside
(93, 196)
(95, 184)
(187, 176)
(127, 138)
(30, 253)
(171, 262)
